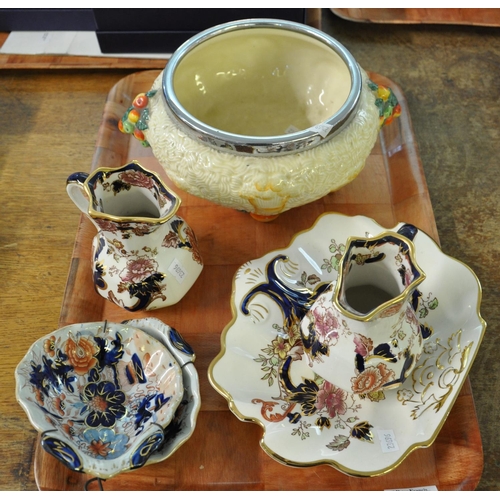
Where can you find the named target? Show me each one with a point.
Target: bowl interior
(262, 82)
(102, 391)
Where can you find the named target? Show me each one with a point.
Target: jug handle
(76, 191)
(408, 230)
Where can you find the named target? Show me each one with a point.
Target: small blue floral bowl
(101, 395)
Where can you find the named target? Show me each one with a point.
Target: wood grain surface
(223, 452)
(475, 17)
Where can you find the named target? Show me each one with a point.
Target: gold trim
(76, 451)
(94, 214)
(333, 463)
(396, 300)
(87, 461)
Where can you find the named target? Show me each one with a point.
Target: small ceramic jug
(362, 333)
(144, 256)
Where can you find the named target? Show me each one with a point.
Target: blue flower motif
(104, 402)
(147, 407)
(104, 444)
(51, 375)
(109, 355)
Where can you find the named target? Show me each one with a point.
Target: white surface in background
(75, 43)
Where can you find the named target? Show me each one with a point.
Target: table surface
(450, 77)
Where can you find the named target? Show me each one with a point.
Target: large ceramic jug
(362, 333)
(144, 256)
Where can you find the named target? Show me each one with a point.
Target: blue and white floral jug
(362, 333)
(144, 256)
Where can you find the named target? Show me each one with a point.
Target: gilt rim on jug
(357, 242)
(87, 180)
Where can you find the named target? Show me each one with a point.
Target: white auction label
(388, 441)
(177, 270)
(323, 129)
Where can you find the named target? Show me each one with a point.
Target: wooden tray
(224, 453)
(475, 17)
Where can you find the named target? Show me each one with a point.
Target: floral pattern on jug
(144, 255)
(306, 420)
(362, 333)
(313, 401)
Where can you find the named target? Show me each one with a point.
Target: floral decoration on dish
(362, 332)
(263, 372)
(183, 424)
(101, 394)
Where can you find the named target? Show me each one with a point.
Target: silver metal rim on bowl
(255, 145)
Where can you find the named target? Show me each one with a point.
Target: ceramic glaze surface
(183, 423)
(263, 372)
(363, 334)
(144, 255)
(251, 68)
(261, 115)
(101, 394)
(262, 185)
(262, 82)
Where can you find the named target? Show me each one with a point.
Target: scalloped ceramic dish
(101, 395)
(182, 426)
(263, 373)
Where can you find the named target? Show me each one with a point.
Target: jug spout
(126, 194)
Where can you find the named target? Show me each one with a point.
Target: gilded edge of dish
(330, 462)
(154, 459)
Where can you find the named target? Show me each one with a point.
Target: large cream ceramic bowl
(262, 116)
